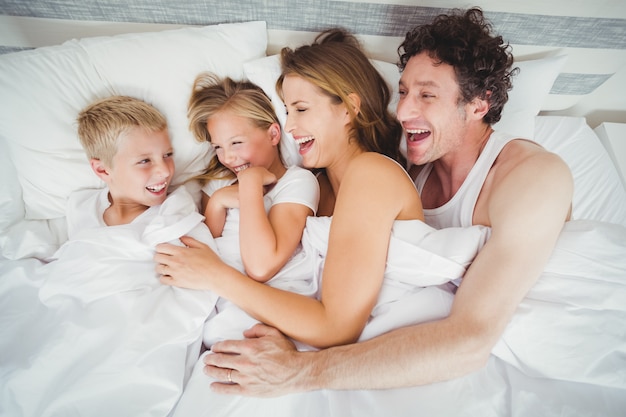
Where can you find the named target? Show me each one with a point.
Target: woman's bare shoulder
(384, 181)
(377, 164)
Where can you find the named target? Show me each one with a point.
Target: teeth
(416, 131)
(304, 139)
(157, 188)
(241, 168)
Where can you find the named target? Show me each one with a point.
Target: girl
(250, 199)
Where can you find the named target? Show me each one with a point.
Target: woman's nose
(289, 124)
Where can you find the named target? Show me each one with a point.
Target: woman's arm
(374, 193)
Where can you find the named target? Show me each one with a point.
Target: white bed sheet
(94, 332)
(558, 358)
(563, 354)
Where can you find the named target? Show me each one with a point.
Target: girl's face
(319, 126)
(141, 170)
(240, 144)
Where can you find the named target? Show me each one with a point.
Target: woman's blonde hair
(212, 95)
(336, 64)
(102, 123)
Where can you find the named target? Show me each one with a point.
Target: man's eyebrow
(421, 83)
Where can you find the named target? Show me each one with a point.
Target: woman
(337, 112)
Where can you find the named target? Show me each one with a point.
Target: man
(454, 83)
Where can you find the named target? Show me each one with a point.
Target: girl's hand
(257, 177)
(226, 197)
(195, 266)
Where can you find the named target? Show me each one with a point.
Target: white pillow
(612, 136)
(531, 87)
(11, 204)
(598, 191)
(44, 89)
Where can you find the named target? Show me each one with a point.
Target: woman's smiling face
(318, 125)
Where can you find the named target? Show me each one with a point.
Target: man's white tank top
(459, 210)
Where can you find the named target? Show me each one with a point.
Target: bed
(564, 353)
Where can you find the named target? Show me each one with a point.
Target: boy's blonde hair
(211, 95)
(102, 123)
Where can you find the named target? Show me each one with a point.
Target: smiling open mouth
(305, 142)
(240, 168)
(157, 188)
(414, 135)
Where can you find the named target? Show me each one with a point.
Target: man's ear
(100, 169)
(480, 106)
(274, 131)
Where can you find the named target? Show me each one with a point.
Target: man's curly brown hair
(481, 59)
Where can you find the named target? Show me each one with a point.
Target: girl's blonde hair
(211, 95)
(336, 64)
(102, 123)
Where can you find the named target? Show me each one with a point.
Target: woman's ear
(353, 107)
(100, 169)
(274, 131)
(354, 101)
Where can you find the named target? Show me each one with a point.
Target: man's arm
(527, 204)
(266, 363)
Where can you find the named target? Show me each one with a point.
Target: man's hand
(265, 364)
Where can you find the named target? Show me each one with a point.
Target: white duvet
(94, 332)
(564, 353)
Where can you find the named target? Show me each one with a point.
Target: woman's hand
(194, 266)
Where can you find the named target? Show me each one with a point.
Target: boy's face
(142, 169)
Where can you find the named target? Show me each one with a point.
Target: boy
(128, 147)
(109, 336)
